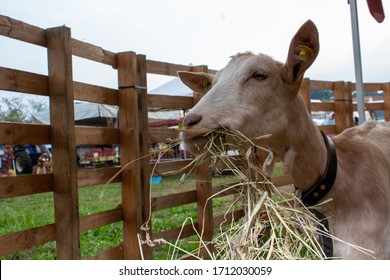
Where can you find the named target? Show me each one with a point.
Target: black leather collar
(317, 192)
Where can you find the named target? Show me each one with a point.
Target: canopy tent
(93, 114)
(100, 114)
(174, 87)
(84, 114)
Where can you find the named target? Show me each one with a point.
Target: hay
(274, 230)
(276, 225)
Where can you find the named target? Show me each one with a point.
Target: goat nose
(191, 119)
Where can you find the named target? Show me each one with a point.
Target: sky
(202, 32)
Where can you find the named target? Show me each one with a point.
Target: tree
(38, 105)
(15, 110)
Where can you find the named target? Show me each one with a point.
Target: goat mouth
(194, 140)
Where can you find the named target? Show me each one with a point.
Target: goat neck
(301, 147)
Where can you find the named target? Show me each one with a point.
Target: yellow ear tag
(305, 51)
(206, 86)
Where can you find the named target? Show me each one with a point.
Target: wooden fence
(133, 136)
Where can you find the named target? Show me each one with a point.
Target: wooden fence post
(305, 92)
(144, 146)
(348, 105)
(343, 106)
(204, 191)
(62, 130)
(205, 219)
(386, 100)
(129, 152)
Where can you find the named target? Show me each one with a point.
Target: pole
(358, 61)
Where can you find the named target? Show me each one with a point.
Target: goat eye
(259, 76)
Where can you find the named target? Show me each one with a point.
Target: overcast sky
(202, 32)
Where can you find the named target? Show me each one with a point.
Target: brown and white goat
(257, 95)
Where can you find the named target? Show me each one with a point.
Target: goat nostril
(191, 119)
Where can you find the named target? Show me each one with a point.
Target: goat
(257, 95)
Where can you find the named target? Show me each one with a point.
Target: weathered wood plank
(205, 218)
(96, 94)
(374, 106)
(327, 85)
(164, 68)
(305, 93)
(63, 143)
(372, 86)
(144, 147)
(88, 135)
(170, 102)
(386, 101)
(94, 53)
(130, 151)
(19, 30)
(368, 86)
(18, 133)
(25, 239)
(177, 167)
(173, 200)
(100, 176)
(22, 81)
(173, 234)
(115, 253)
(323, 106)
(162, 135)
(100, 219)
(341, 108)
(349, 120)
(26, 82)
(25, 185)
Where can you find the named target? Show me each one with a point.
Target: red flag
(376, 9)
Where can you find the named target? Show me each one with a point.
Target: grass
(26, 212)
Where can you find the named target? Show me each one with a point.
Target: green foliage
(369, 93)
(102, 238)
(173, 217)
(321, 94)
(326, 95)
(25, 212)
(38, 105)
(15, 110)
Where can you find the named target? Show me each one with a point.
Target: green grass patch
(27, 212)
(45, 251)
(97, 240)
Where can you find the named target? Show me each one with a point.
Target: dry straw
(276, 224)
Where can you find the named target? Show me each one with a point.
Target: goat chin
(194, 144)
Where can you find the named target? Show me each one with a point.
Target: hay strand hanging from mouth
(272, 227)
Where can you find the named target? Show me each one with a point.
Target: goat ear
(304, 48)
(197, 81)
